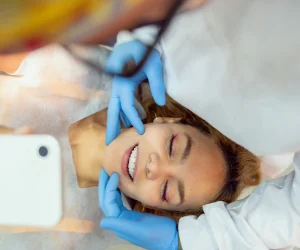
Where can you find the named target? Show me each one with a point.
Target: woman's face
(171, 167)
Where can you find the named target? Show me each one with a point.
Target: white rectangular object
(30, 181)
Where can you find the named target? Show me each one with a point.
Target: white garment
(236, 63)
(268, 219)
(272, 167)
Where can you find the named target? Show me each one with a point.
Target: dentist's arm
(268, 219)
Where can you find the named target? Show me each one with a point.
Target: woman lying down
(178, 165)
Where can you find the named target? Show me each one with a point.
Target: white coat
(236, 63)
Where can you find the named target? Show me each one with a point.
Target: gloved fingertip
(104, 224)
(141, 130)
(103, 172)
(160, 100)
(111, 136)
(108, 139)
(115, 67)
(115, 175)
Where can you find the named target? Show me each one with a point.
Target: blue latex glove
(121, 103)
(142, 229)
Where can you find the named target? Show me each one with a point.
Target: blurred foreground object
(29, 24)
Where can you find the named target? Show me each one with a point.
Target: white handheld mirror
(30, 181)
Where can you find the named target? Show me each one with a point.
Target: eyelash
(164, 198)
(171, 144)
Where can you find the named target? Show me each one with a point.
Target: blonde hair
(243, 166)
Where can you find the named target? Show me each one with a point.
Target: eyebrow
(180, 191)
(187, 149)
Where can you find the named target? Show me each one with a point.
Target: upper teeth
(131, 163)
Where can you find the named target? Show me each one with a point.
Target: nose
(153, 167)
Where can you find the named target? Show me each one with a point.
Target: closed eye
(171, 144)
(164, 194)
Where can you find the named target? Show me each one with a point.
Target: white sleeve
(145, 34)
(268, 219)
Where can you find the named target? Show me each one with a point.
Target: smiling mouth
(131, 167)
(129, 162)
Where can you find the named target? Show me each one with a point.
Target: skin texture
(202, 173)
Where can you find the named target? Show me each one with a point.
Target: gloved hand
(142, 229)
(122, 98)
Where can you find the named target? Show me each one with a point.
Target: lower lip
(125, 161)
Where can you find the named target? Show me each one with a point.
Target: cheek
(210, 175)
(114, 151)
(146, 194)
(154, 136)
(205, 185)
(207, 164)
(112, 158)
(130, 192)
